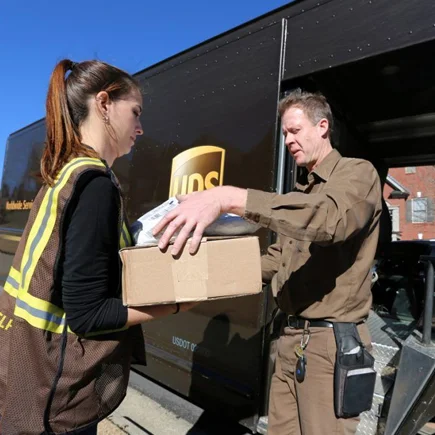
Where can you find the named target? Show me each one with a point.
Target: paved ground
(140, 415)
(108, 428)
(143, 414)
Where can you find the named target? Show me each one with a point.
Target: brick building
(410, 195)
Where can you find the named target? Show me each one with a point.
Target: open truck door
(373, 62)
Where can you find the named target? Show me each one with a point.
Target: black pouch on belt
(354, 373)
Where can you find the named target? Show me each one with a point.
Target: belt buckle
(295, 319)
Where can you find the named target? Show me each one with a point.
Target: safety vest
(52, 380)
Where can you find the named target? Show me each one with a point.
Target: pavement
(141, 415)
(106, 427)
(149, 409)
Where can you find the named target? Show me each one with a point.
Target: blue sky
(132, 35)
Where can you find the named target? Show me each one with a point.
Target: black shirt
(90, 276)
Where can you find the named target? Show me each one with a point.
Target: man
(319, 268)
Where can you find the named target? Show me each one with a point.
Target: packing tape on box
(190, 275)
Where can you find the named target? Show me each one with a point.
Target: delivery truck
(210, 118)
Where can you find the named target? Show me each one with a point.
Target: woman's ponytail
(63, 137)
(68, 107)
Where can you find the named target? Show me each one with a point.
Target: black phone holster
(354, 373)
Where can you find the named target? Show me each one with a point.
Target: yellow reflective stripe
(10, 290)
(38, 322)
(40, 304)
(45, 220)
(42, 319)
(39, 313)
(12, 282)
(14, 274)
(125, 239)
(82, 161)
(122, 242)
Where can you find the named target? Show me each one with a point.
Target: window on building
(415, 198)
(420, 210)
(395, 222)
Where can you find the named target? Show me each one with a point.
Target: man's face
(302, 138)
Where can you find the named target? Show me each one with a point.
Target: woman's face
(124, 119)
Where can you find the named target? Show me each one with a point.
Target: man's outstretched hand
(195, 212)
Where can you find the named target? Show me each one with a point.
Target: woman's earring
(106, 119)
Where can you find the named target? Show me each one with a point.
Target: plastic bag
(226, 225)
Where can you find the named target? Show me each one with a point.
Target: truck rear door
(20, 183)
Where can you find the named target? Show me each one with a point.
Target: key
(299, 351)
(301, 368)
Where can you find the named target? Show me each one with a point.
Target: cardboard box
(222, 268)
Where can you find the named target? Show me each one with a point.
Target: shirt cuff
(259, 207)
(123, 316)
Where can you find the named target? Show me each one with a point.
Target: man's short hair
(314, 106)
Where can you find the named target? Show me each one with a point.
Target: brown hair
(67, 107)
(314, 106)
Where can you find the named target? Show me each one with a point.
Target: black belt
(299, 323)
(296, 322)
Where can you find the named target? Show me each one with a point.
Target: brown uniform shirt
(327, 236)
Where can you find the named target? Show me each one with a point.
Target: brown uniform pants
(307, 408)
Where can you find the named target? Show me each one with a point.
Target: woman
(66, 355)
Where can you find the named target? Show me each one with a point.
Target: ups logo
(197, 169)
